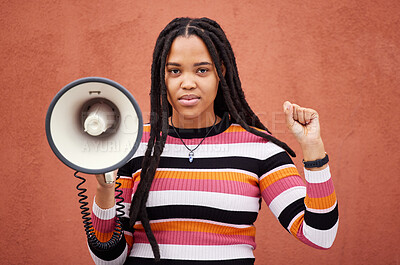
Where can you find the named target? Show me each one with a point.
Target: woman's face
(192, 82)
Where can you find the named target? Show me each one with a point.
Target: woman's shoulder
(240, 132)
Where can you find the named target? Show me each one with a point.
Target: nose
(188, 82)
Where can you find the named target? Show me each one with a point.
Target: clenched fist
(304, 125)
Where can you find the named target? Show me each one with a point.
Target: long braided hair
(230, 98)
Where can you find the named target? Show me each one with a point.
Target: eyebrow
(195, 65)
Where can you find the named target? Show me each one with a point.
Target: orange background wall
(339, 57)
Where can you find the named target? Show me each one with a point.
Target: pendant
(191, 154)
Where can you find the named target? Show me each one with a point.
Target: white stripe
(283, 200)
(127, 207)
(190, 252)
(141, 150)
(277, 169)
(322, 238)
(125, 177)
(322, 210)
(224, 201)
(319, 176)
(120, 260)
(294, 219)
(197, 221)
(103, 214)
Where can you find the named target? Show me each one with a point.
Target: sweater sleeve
(306, 210)
(104, 223)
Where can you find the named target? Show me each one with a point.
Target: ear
(223, 69)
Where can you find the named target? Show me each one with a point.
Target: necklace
(191, 151)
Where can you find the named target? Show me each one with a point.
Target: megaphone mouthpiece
(100, 118)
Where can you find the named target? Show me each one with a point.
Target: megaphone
(94, 125)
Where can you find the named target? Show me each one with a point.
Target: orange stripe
(296, 225)
(238, 128)
(321, 203)
(103, 237)
(126, 183)
(191, 226)
(235, 128)
(277, 175)
(229, 176)
(129, 239)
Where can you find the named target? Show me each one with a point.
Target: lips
(189, 100)
(189, 97)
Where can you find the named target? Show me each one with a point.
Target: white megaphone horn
(94, 125)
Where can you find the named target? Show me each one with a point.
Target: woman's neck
(203, 121)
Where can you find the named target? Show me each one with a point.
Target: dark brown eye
(202, 70)
(174, 71)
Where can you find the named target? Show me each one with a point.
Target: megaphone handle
(87, 221)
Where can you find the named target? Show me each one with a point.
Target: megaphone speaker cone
(85, 125)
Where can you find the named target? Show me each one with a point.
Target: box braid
(230, 98)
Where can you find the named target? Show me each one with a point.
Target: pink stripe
(280, 186)
(194, 238)
(103, 226)
(303, 238)
(320, 190)
(145, 137)
(225, 138)
(135, 185)
(221, 186)
(127, 195)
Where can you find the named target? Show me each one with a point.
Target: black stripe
(252, 165)
(322, 221)
(242, 163)
(290, 212)
(128, 168)
(110, 254)
(144, 261)
(201, 212)
(274, 161)
(125, 224)
(201, 132)
(117, 251)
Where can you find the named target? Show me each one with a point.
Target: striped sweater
(204, 212)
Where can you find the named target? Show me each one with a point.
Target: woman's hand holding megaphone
(105, 194)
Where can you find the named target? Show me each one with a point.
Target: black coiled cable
(87, 220)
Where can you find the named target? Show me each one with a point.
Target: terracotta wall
(339, 57)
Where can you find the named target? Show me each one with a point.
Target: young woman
(192, 191)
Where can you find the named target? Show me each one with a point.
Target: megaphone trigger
(109, 177)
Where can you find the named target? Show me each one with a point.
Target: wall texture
(339, 57)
